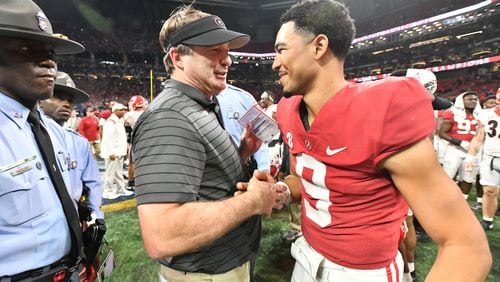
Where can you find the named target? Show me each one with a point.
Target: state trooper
(86, 183)
(83, 168)
(37, 238)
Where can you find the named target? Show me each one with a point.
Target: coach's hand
(261, 190)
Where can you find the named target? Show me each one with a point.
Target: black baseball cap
(207, 31)
(65, 84)
(24, 19)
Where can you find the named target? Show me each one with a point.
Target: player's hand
(469, 163)
(282, 196)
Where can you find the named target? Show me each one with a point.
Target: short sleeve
(409, 118)
(448, 115)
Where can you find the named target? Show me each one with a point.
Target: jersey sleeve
(408, 119)
(448, 115)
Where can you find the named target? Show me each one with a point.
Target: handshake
(264, 193)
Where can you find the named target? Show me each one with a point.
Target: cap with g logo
(207, 31)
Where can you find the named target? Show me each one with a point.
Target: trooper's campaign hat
(65, 84)
(24, 19)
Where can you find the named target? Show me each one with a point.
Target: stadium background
(121, 38)
(458, 40)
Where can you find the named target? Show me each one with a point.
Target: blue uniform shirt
(234, 102)
(83, 170)
(33, 228)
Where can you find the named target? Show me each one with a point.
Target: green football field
(274, 262)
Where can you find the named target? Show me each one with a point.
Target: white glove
(465, 145)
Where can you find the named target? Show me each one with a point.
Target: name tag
(17, 163)
(21, 170)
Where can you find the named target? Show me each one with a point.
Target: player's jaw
(290, 88)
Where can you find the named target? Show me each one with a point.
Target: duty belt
(59, 271)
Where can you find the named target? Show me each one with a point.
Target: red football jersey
(351, 210)
(462, 128)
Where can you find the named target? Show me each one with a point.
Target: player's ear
(321, 45)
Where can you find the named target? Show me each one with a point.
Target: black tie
(214, 106)
(43, 140)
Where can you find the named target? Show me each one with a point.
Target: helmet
(426, 77)
(137, 101)
(266, 95)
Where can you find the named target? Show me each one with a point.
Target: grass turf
(274, 263)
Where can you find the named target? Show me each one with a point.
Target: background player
(489, 134)
(136, 106)
(458, 127)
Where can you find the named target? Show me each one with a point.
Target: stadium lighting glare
(430, 41)
(277, 5)
(220, 3)
(469, 34)
(106, 62)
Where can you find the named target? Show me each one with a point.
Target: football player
(488, 133)
(358, 151)
(136, 106)
(458, 128)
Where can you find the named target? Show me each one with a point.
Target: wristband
(288, 198)
(455, 141)
(465, 145)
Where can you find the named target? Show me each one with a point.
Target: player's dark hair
(469, 93)
(327, 17)
(489, 97)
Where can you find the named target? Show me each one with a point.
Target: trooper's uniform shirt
(33, 228)
(351, 210)
(84, 170)
(234, 103)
